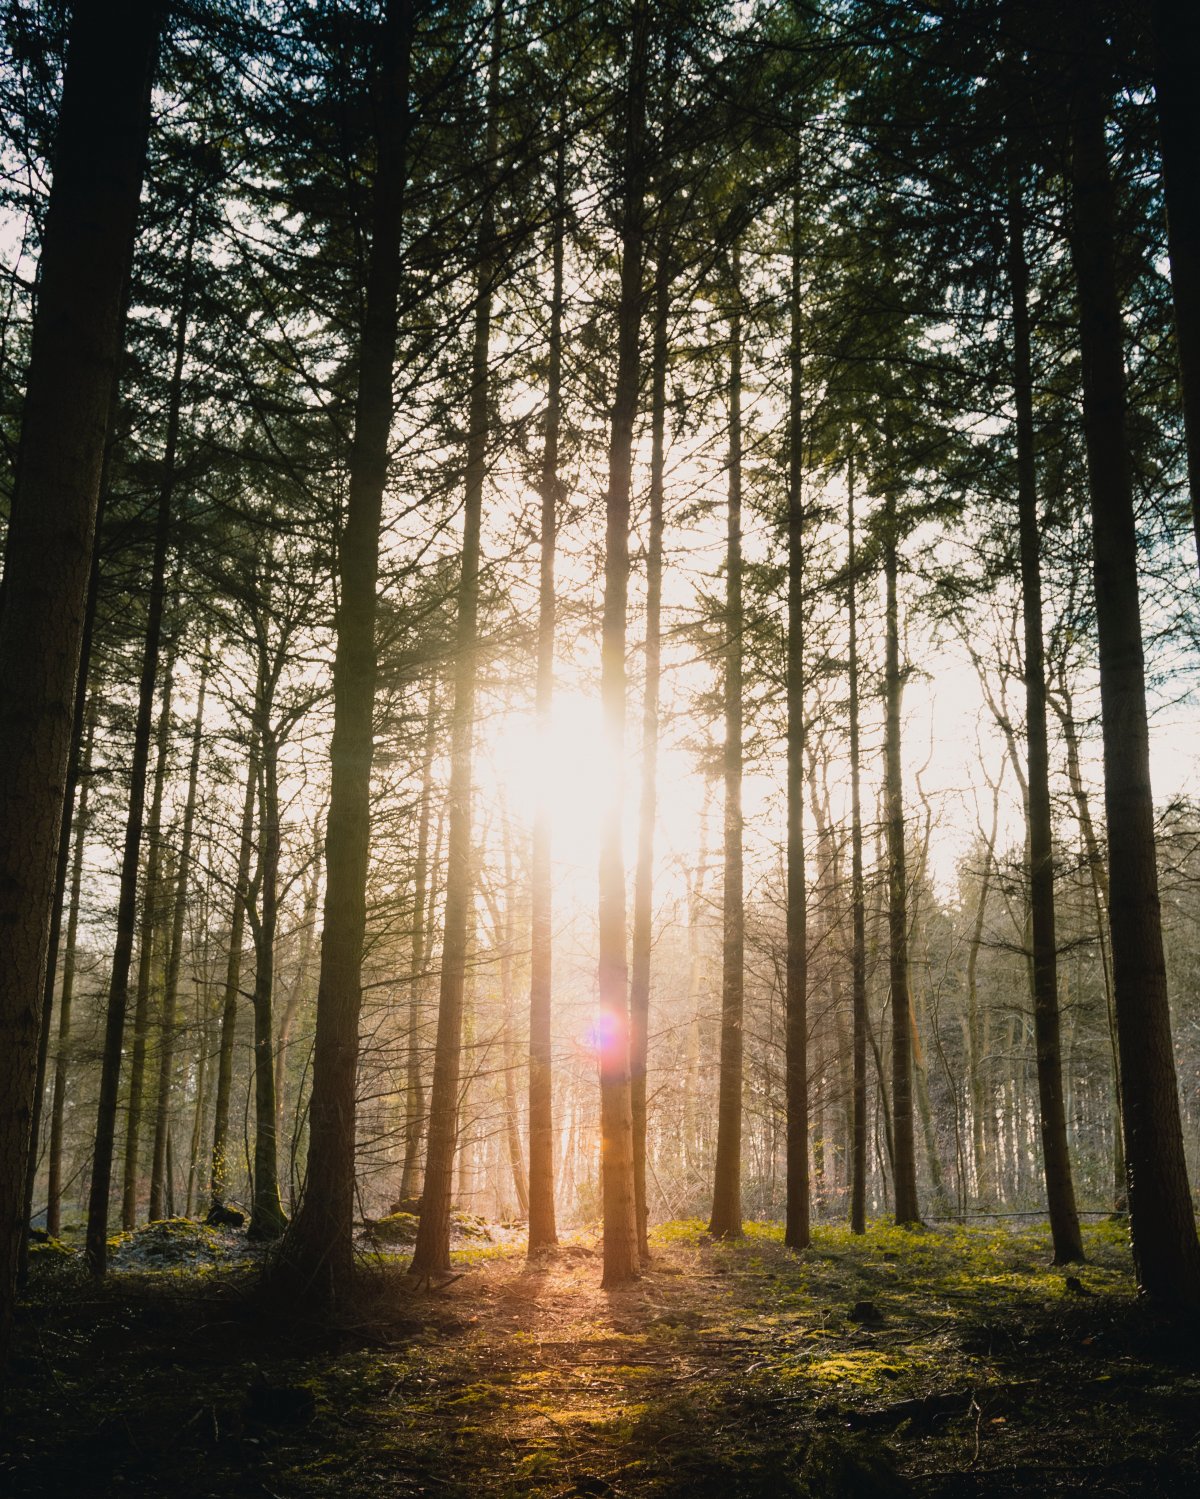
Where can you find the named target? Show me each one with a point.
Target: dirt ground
(936, 1362)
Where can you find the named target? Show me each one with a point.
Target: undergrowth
(942, 1361)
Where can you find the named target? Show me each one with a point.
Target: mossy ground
(941, 1362)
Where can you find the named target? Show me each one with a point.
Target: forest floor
(943, 1361)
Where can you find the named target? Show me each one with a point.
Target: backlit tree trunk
(643, 890)
(166, 1054)
(543, 1229)
(796, 1228)
(267, 1219)
(149, 941)
(414, 1093)
(431, 1253)
(1176, 25)
(118, 994)
(1165, 1247)
(1060, 1191)
(726, 1220)
(622, 1259)
(62, 1060)
(858, 909)
(904, 1166)
(87, 246)
(218, 1175)
(318, 1250)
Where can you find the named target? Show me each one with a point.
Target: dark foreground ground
(939, 1362)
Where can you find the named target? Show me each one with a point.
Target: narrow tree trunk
(166, 1054)
(218, 1176)
(1098, 883)
(64, 845)
(298, 988)
(858, 906)
(796, 1228)
(622, 1260)
(981, 1103)
(643, 889)
(431, 1253)
(414, 1095)
(1056, 1158)
(267, 1220)
(1165, 1247)
(149, 932)
(100, 149)
(1176, 25)
(118, 997)
(318, 1252)
(543, 1229)
(904, 1165)
(506, 935)
(62, 1060)
(726, 1220)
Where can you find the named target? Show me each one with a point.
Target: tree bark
(643, 889)
(904, 1166)
(414, 1095)
(622, 1260)
(87, 248)
(298, 988)
(1056, 1158)
(543, 1229)
(796, 1227)
(267, 1219)
(148, 937)
(1176, 27)
(858, 907)
(64, 845)
(166, 1054)
(318, 1252)
(218, 1178)
(431, 1253)
(1165, 1247)
(726, 1220)
(62, 1059)
(981, 1104)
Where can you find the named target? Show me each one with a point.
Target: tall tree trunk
(62, 1060)
(796, 1228)
(118, 996)
(506, 936)
(267, 1220)
(1165, 1247)
(218, 1176)
(318, 1251)
(100, 149)
(726, 1220)
(543, 1229)
(858, 906)
(414, 1094)
(298, 988)
(1176, 25)
(643, 888)
(981, 1102)
(149, 932)
(166, 1053)
(431, 1253)
(1098, 883)
(904, 1166)
(622, 1260)
(64, 844)
(1060, 1190)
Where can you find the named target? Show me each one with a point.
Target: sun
(566, 769)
